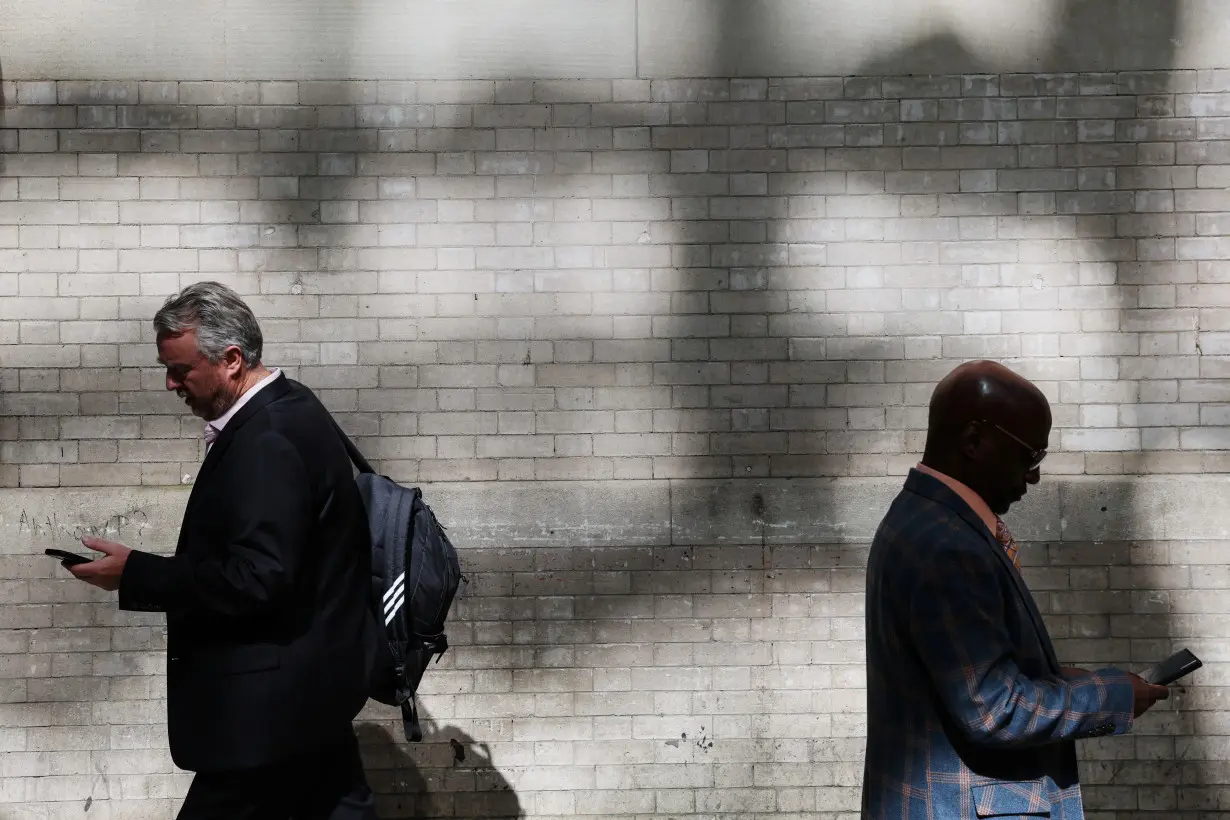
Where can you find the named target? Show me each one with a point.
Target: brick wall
(628, 279)
(660, 350)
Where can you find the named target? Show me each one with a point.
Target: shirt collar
(980, 507)
(214, 428)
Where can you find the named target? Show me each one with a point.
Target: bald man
(970, 714)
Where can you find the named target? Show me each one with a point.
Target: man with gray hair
(270, 630)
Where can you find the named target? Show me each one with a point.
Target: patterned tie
(1006, 541)
(211, 435)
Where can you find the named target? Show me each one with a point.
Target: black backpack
(415, 575)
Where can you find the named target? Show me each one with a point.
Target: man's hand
(103, 572)
(1145, 694)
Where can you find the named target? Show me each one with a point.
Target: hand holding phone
(1145, 695)
(103, 570)
(68, 559)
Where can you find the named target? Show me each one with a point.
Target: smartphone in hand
(67, 558)
(1178, 665)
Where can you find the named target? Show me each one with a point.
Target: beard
(208, 407)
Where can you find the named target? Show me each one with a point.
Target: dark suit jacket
(268, 596)
(967, 713)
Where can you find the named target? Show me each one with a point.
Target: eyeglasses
(1035, 455)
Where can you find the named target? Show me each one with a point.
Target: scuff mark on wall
(703, 742)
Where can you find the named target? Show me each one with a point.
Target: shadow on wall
(424, 214)
(448, 775)
(754, 370)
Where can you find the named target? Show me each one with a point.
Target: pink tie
(211, 435)
(1006, 541)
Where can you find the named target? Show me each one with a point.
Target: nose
(172, 382)
(1034, 475)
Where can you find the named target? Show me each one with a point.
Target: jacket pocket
(1007, 798)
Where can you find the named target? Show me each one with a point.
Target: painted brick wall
(638, 649)
(600, 319)
(628, 279)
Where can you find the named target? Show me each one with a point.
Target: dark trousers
(326, 785)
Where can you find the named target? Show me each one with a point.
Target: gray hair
(219, 317)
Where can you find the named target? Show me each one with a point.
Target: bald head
(986, 425)
(981, 389)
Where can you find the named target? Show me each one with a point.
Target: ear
(233, 358)
(971, 441)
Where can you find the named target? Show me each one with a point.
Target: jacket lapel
(934, 489)
(270, 393)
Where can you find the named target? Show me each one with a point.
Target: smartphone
(1170, 670)
(68, 559)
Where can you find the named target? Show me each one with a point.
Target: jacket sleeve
(956, 614)
(250, 574)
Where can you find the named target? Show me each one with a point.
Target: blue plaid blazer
(967, 714)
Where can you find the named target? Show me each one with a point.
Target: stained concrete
(527, 515)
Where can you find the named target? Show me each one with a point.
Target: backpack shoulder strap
(351, 449)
